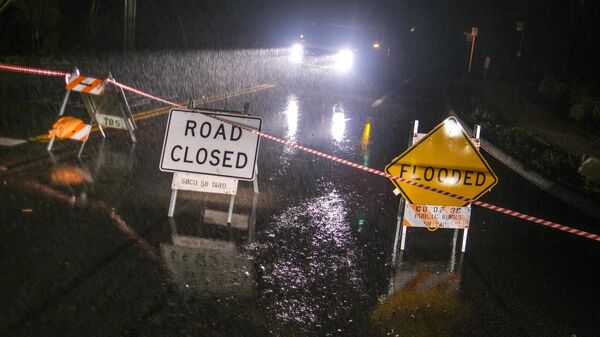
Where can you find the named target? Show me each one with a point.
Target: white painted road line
(11, 141)
(379, 101)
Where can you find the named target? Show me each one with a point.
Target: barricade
(99, 101)
(85, 86)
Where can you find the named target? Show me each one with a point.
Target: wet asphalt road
(89, 251)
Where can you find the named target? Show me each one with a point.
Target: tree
(41, 18)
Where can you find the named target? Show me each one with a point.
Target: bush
(587, 114)
(534, 152)
(552, 88)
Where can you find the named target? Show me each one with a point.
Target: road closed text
(215, 158)
(199, 143)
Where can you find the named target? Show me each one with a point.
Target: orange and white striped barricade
(208, 182)
(432, 217)
(113, 111)
(86, 86)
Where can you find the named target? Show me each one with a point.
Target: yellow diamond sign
(445, 159)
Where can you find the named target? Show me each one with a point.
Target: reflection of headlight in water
(291, 112)
(296, 53)
(343, 60)
(338, 122)
(310, 264)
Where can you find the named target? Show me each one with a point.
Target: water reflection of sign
(200, 143)
(445, 159)
(204, 183)
(423, 301)
(206, 258)
(208, 267)
(432, 216)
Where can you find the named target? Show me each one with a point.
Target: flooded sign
(211, 143)
(434, 217)
(204, 183)
(445, 159)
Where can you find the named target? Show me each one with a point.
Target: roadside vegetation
(537, 154)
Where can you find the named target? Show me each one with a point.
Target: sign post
(209, 151)
(86, 86)
(474, 31)
(448, 160)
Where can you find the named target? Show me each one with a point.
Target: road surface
(88, 249)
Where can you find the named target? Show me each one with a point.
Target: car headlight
(343, 60)
(296, 53)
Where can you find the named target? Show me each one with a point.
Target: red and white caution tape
(339, 160)
(141, 93)
(29, 70)
(475, 202)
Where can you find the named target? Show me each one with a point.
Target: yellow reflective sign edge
(425, 138)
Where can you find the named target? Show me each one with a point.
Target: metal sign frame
(401, 205)
(125, 110)
(174, 191)
(91, 107)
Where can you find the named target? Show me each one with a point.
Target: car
(338, 46)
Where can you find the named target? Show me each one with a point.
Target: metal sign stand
(88, 102)
(126, 112)
(402, 203)
(454, 268)
(174, 191)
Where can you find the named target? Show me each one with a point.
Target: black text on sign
(211, 143)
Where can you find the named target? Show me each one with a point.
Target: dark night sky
(559, 33)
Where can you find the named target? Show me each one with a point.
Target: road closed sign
(445, 159)
(211, 143)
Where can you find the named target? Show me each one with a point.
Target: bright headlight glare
(296, 53)
(344, 60)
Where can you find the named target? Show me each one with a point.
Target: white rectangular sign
(204, 183)
(111, 121)
(198, 142)
(432, 216)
